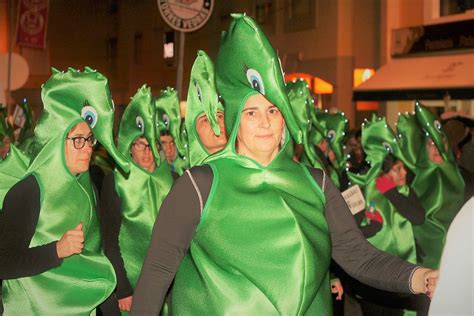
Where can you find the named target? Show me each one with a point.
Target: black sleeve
(110, 215)
(18, 220)
(408, 206)
(353, 253)
(173, 231)
(370, 230)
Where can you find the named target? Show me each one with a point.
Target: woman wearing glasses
(51, 256)
(130, 202)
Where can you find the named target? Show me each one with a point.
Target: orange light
(321, 86)
(315, 84)
(362, 74)
(367, 106)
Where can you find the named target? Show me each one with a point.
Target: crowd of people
(235, 209)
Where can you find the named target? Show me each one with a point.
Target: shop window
(450, 7)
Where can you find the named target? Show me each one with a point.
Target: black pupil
(256, 85)
(89, 119)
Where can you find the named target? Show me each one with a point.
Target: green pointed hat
(168, 117)
(202, 98)
(138, 120)
(247, 65)
(69, 98)
(336, 126)
(302, 105)
(432, 128)
(410, 138)
(378, 140)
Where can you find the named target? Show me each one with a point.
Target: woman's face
(209, 140)
(78, 159)
(169, 147)
(398, 173)
(260, 130)
(141, 153)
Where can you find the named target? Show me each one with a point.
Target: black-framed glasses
(139, 146)
(80, 141)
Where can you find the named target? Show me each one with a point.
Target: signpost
(184, 16)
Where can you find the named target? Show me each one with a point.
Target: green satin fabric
(12, 170)
(202, 98)
(440, 188)
(168, 118)
(85, 280)
(276, 212)
(141, 192)
(247, 59)
(336, 126)
(302, 105)
(396, 236)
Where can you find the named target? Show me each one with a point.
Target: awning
(427, 78)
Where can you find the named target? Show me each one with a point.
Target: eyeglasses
(139, 146)
(79, 141)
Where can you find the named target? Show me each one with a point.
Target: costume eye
(89, 114)
(199, 92)
(437, 124)
(255, 80)
(331, 135)
(388, 147)
(140, 124)
(166, 120)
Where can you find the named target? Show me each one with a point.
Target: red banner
(32, 23)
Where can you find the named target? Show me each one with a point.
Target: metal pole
(179, 74)
(10, 47)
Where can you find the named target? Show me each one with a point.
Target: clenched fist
(71, 242)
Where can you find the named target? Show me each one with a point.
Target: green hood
(68, 98)
(168, 117)
(410, 137)
(378, 140)
(433, 129)
(247, 65)
(202, 98)
(302, 105)
(138, 120)
(336, 126)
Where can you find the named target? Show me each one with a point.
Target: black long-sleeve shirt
(110, 214)
(180, 214)
(18, 220)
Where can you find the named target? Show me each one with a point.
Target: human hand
(71, 242)
(424, 280)
(384, 183)
(125, 304)
(375, 216)
(336, 288)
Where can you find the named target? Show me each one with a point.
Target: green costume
(302, 105)
(26, 137)
(440, 188)
(168, 119)
(141, 192)
(202, 98)
(396, 236)
(263, 245)
(83, 280)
